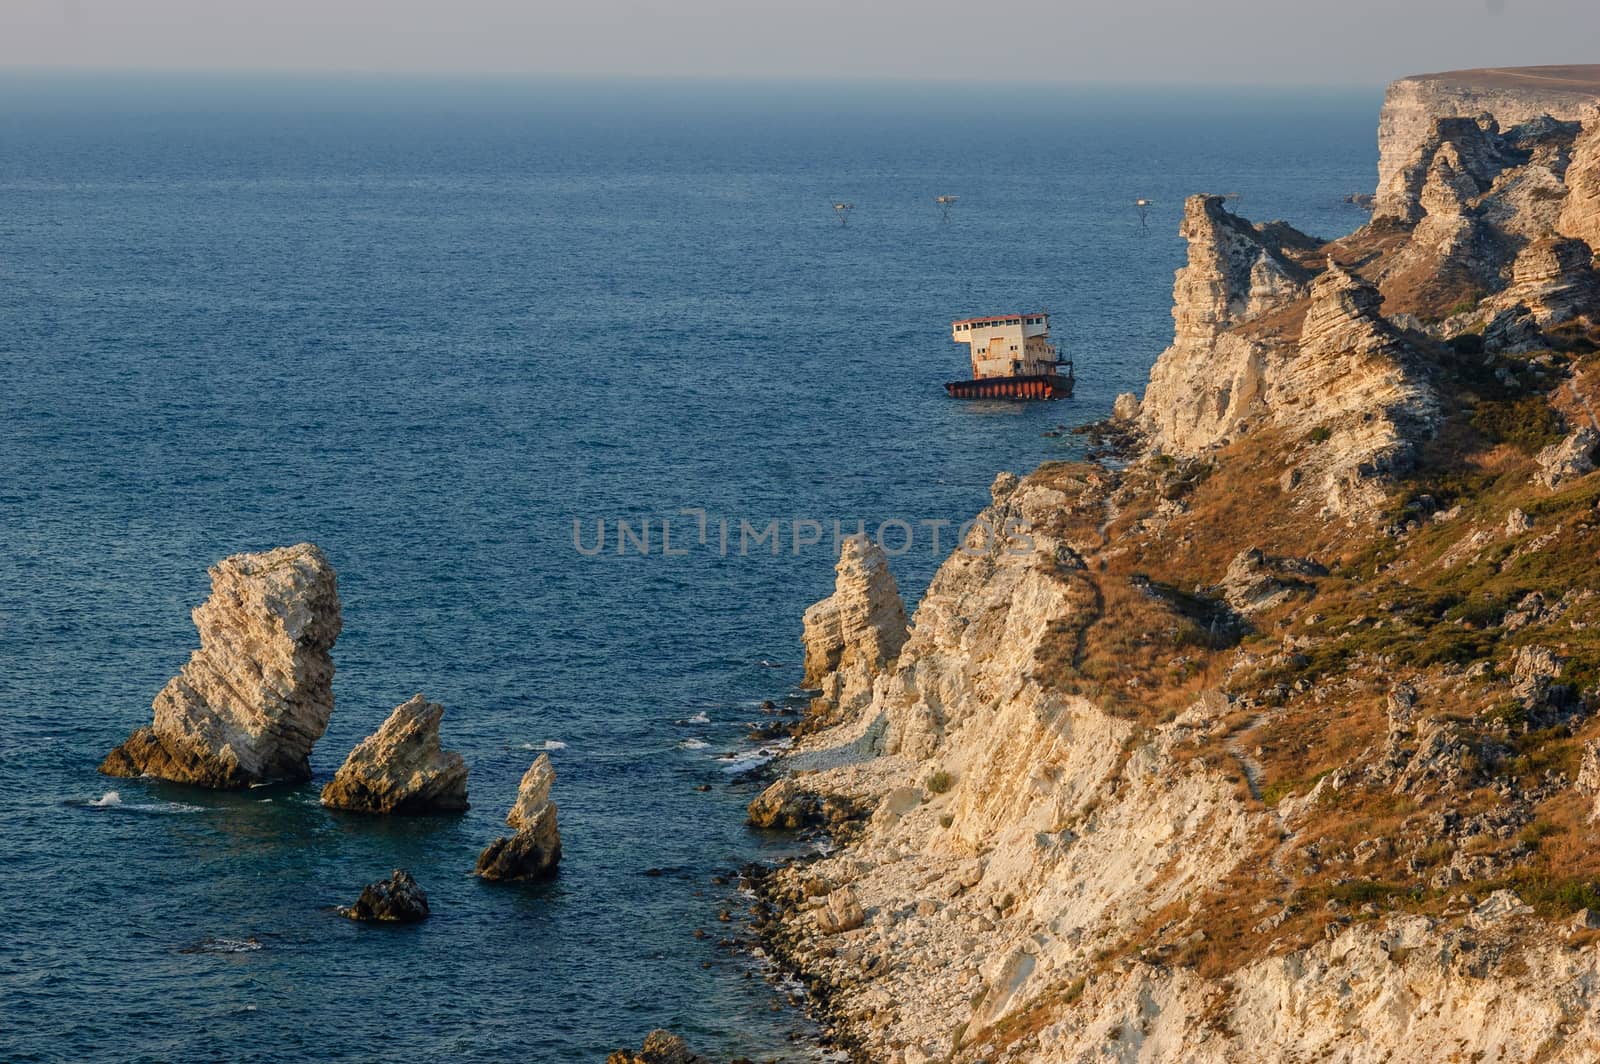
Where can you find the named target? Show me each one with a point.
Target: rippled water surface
(428, 325)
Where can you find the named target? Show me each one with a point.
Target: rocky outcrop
(1211, 377)
(1552, 282)
(1351, 380)
(396, 900)
(1356, 381)
(400, 768)
(256, 696)
(535, 850)
(851, 636)
(1569, 458)
(1413, 106)
(1062, 836)
(660, 1047)
(1256, 581)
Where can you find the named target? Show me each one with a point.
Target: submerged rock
(660, 1047)
(257, 695)
(400, 768)
(535, 850)
(396, 900)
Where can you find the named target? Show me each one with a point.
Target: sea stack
(853, 635)
(535, 850)
(400, 768)
(257, 695)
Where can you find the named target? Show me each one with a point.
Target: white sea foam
(224, 945)
(698, 718)
(694, 744)
(747, 761)
(113, 800)
(548, 744)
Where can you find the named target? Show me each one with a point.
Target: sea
(577, 384)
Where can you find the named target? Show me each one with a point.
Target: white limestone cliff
(1412, 105)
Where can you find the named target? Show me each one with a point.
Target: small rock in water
(660, 1047)
(396, 900)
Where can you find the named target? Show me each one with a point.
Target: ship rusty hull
(1042, 386)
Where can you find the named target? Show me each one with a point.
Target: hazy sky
(1231, 41)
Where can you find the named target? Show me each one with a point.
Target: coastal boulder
(257, 695)
(840, 913)
(400, 768)
(534, 851)
(396, 900)
(786, 805)
(852, 636)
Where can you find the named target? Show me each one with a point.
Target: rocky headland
(534, 851)
(1277, 740)
(401, 768)
(253, 700)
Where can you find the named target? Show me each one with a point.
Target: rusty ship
(1012, 358)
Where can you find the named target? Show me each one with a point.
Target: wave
(112, 800)
(698, 718)
(548, 744)
(693, 744)
(224, 945)
(752, 760)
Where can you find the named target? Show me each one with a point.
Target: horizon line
(624, 77)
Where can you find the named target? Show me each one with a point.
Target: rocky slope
(257, 695)
(401, 767)
(1187, 771)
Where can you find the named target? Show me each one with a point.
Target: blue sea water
(429, 325)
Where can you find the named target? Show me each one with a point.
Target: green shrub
(940, 782)
(1526, 424)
